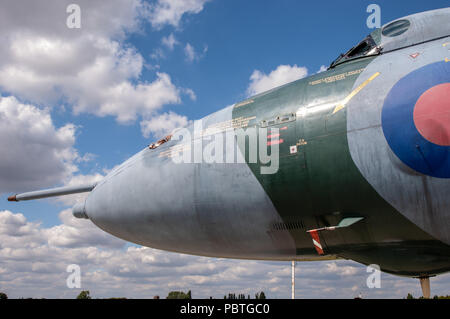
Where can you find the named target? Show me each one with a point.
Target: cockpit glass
(368, 46)
(361, 49)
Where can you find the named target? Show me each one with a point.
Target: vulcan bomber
(350, 163)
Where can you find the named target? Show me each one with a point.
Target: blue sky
(68, 79)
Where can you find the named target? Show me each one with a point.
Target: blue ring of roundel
(398, 121)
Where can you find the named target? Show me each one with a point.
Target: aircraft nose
(142, 196)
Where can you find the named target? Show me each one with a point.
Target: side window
(361, 49)
(396, 28)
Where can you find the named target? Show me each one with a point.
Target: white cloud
(103, 86)
(92, 69)
(126, 101)
(158, 54)
(260, 82)
(76, 233)
(170, 12)
(190, 93)
(33, 262)
(334, 268)
(192, 55)
(38, 154)
(35, 152)
(169, 41)
(112, 18)
(189, 51)
(323, 68)
(163, 124)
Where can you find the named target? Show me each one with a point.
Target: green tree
(260, 295)
(3, 296)
(410, 296)
(231, 296)
(179, 295)
(84, 295)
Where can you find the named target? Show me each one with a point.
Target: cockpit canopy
(411, 30)
(366, 47)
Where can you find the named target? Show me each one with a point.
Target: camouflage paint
(320, 184)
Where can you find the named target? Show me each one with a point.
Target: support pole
(293, 279)
(425, 284)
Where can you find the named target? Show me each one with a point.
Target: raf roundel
(416, 119)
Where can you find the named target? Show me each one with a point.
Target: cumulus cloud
(170, 12)
(34, 259)
(114, 18)
(163, 124)
(38, 154)
(91, 69)
(75, 233)
(125, 100)
(260, 82)
(35, 152)
(102, 84)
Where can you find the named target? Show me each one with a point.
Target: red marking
(316, 241)
(274, 142)
(273, 135)
(284, 128)
(414, 55)
(432, 114)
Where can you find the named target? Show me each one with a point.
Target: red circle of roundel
(432, 114)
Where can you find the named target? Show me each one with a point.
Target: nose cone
(79, 211)
(143, 200)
